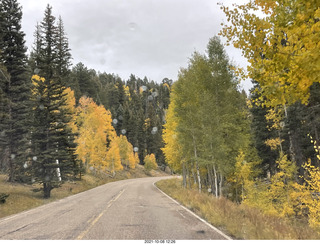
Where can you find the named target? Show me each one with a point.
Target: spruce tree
(63, 52)
(49, 51)
(34, 58)
(15, 89)
(53, 144)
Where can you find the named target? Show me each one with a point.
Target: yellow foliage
(150, 162)
(172, 149)
(166, 85)
(243, 172)
(280, 40)
(95, 130)
(147, 123)
(37, 78)
(277, 197)
(126, 152)
(274, 143)
(113, 158)
(312, 201)
(71, 108)
(136, 159)
(127, 91)
(275, 115)
(39, 88)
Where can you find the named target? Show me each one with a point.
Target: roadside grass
(237, 221)
(23, 197)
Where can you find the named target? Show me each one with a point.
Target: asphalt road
(125, 210)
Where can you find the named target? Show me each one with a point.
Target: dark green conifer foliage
(48, 52)
(4, 118)
(53, 144)
(63, 53)
(261, 131)
(15, 89)
(82, 81)
(52, 141)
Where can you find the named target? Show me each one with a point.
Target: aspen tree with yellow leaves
(173, 149)
(280, 40)
(113, 158)
(150, 162)
(127, 155)
(71, 107)
(243, 176)
(95, 133)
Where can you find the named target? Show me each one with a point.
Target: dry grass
(22, 197)
(238, 221)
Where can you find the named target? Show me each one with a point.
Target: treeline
(207, 122)
(262, 151)
(58, 121)
(137, 105)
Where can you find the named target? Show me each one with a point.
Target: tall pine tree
(53, 144)
(15, 89)
(63, 52)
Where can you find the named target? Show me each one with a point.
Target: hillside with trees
(59, 121)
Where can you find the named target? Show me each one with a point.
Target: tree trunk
(47, 190)
(11, 165)
(189, 178)
(215, 181)
(194, 177)
(291, 150)
(184, 175)
(197, 163)
(220, 184)
(210, 177)
(314, 128)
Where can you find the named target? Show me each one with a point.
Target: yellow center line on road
(94, 221)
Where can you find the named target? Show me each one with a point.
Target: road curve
(124, 210)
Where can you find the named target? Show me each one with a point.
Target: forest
(261, 149)
(60, 120)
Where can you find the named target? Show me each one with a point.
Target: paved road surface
(131, 210)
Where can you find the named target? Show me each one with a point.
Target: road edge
(195, 215)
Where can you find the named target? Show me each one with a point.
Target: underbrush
(238, 221)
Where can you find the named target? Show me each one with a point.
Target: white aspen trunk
(184, 175)
(215, 181)
(210, 177)
(220, 184)
(199, 177)
(197, 163)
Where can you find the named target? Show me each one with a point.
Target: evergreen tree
(4, 118)
(34, 58)
(49, 51)
(63, 53)
(53, 144)
(15, 89)
(82, 82)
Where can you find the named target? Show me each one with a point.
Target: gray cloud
(152, 38)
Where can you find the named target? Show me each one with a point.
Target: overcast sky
(152, 38)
